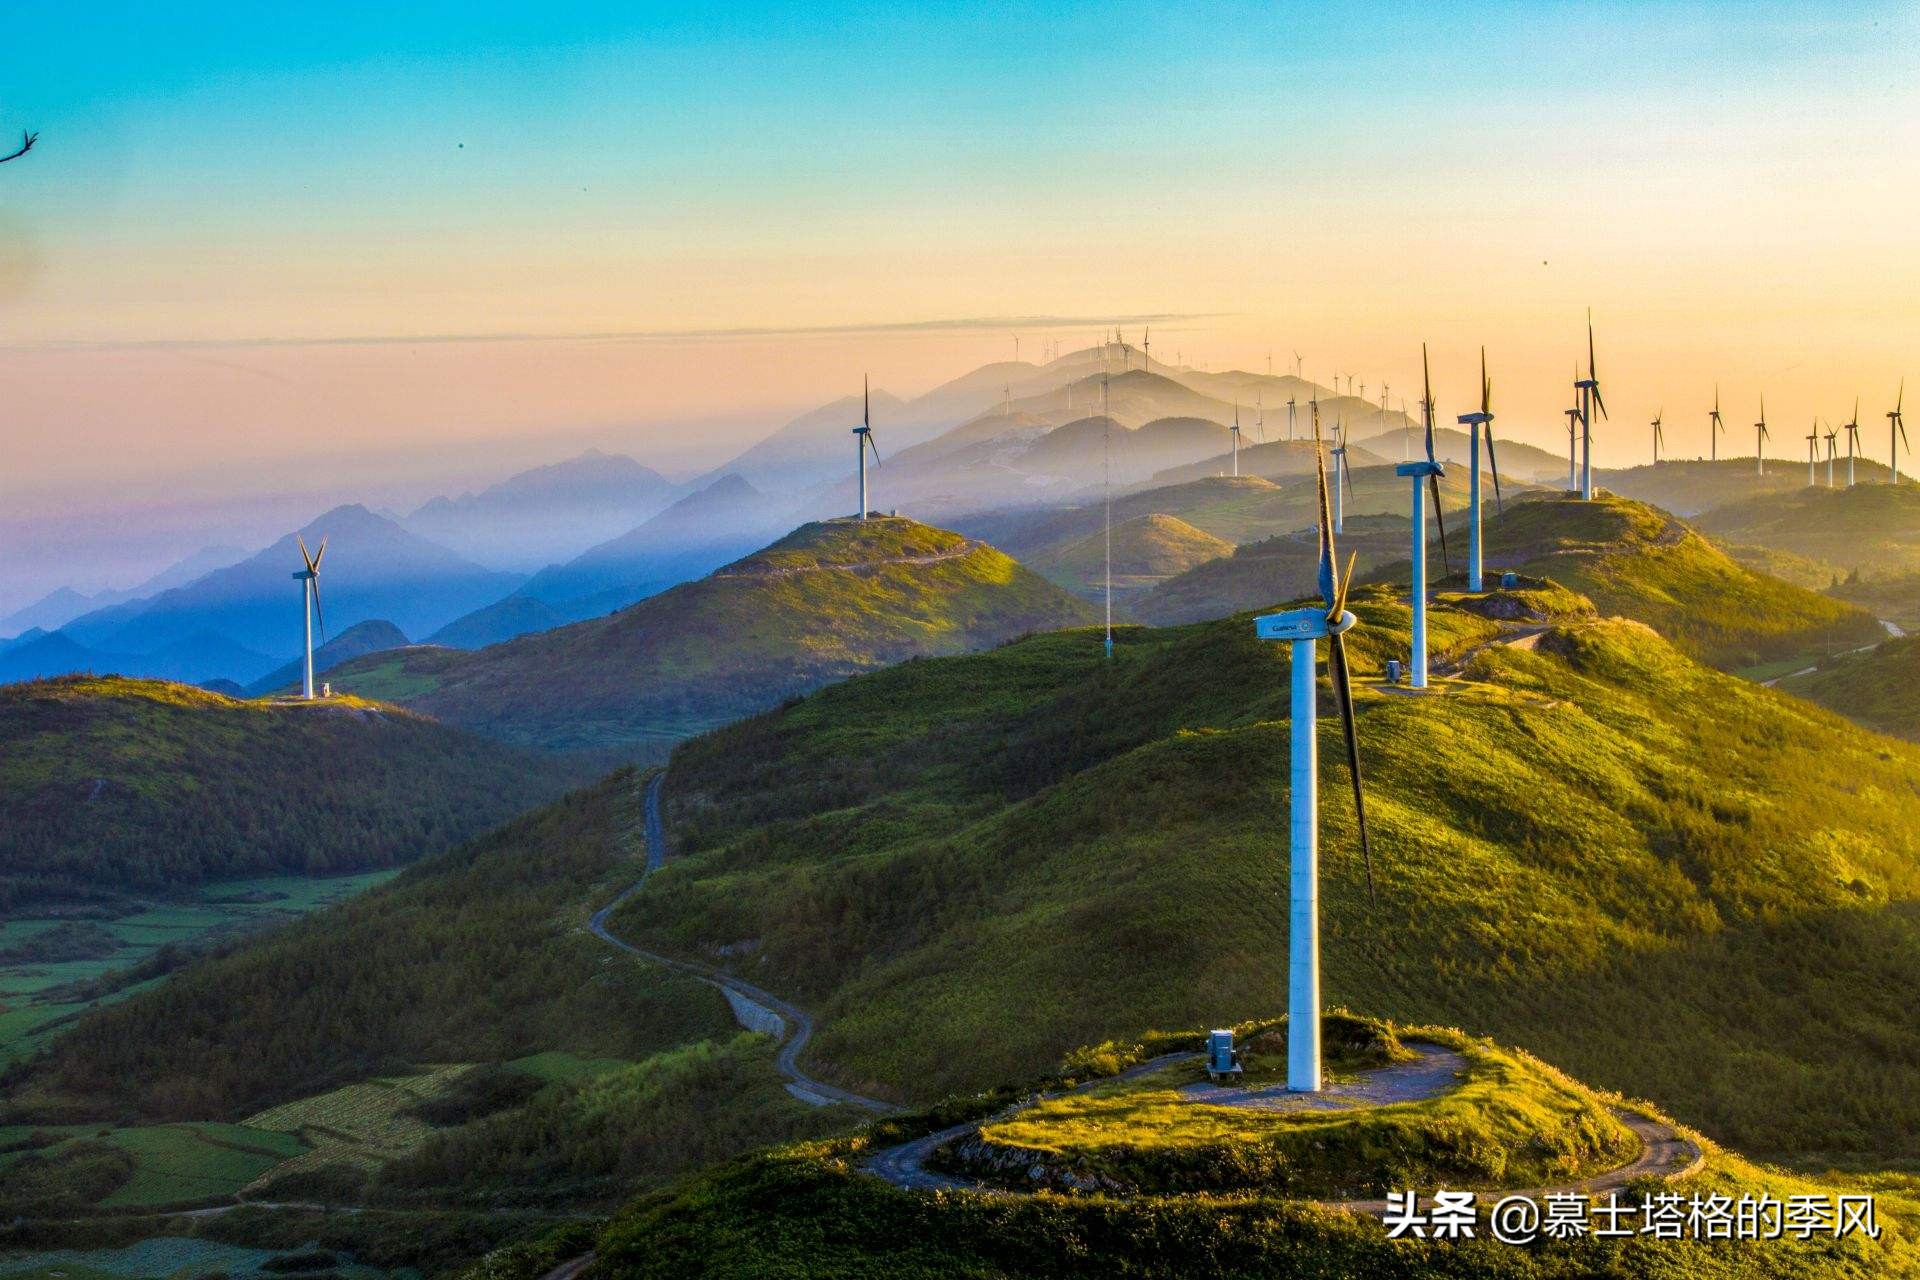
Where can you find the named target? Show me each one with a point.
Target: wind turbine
(1715, 426)
(309, 606)
(1659, 437)
(1236, 437)
(1260, 414)
(1760, 436)
(863, 441)
(1302, 629)
(1897, 432)
(1813, 448)
(1296, 364)
(1832, 436)
(1590, 399)
(1475, 423)
(1853, 439)
(1430, 470)
(1290, 418)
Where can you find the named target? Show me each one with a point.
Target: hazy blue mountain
(361, 638)
(192, 659)
(548, 514)
(374, 568)
(818, 444)
(57, 608)
(515, 616)
(690, 539)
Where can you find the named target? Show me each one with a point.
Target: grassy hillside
(1595, 847)
(1146, 549)
(804, 1212)
(1642, 563)
(1236, 509)
(1259, 574)
(1896, 598)
(1871, 528)
(1690, 486)
(116, 784)
(474, 955)
(825, 602)
(1879, 687)
(1630, 558)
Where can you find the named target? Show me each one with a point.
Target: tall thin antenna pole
(1106, 490)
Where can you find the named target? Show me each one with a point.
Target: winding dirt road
(756, 1009)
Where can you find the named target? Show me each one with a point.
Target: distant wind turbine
(863, 441)
(1303, 629)
(1476, 423)
(1429, 470)
(1897, 432)
(1236, 437)
(1590, 399)
(1813, 448)
(1290, 409)
(1659, 437)
(1715, 426)
(1853, 439)
(309, 606)
(1296, 364)
(1260, 415)
(1761, 435)
(1832, 436)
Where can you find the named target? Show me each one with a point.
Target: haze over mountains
(1003, 452)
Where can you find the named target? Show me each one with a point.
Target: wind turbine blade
(1493, 464)
(1326, 515)
(1342, 680)
(318, 612)
(1440, 520)
(305, 557)
(320, 555)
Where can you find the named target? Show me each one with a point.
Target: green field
(36, 996)
(161, 1258)
(170, 1164)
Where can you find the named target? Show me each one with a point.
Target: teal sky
(1731, 187)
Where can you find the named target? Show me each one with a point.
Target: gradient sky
(664, 229)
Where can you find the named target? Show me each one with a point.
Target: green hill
(1637, 561)
(1259, 574)
(474, 954)
(1596, 847)
(829, 600)
(1236, 509)
(1146, 549)
(1873, 529)
(1895, 598)
(1631, 559)
(1592, 846)
(1155, 1165)
(1879, 686)
(1690, 486)
(110, 784)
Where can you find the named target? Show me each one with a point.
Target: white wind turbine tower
(863, 441)
(1235, 432)
(309, 606)
(1303, 629)
(1853, 439)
